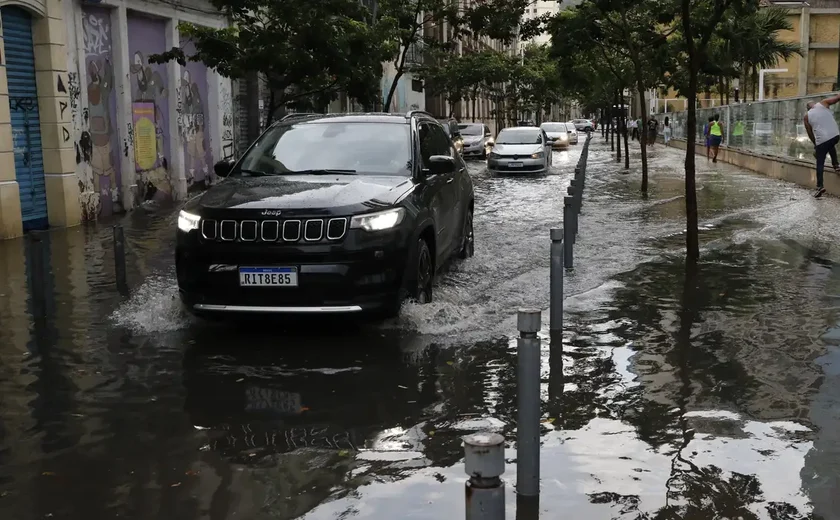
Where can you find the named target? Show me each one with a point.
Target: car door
(546, 147)
(440, 189)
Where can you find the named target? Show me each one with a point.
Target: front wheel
(468, 245)
(421, 292)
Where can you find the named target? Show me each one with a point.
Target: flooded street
(713, 394)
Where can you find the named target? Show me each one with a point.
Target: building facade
(88, 126)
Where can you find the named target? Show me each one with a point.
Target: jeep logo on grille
(271, 213)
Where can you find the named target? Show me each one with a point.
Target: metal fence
(773, 127)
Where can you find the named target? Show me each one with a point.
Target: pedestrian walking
(652, 127)
(715, 136)
(823, 131)
(666, 131)
(634, 129)
(707, 137)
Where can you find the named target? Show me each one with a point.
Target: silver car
(478, 140)
(583, 125)
(573, 133)
(523, 149)
(557, 134)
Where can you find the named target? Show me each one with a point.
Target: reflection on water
(708, 394)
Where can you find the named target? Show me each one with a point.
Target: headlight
(538, 155)
(187, 221)
(378, 221)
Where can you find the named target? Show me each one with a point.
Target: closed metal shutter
(26, 124)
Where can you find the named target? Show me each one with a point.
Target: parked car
(347, 213)
(573, 133)
(583, 125)
(520, 150)
(450, 126)
(478, 140)
(557, 134)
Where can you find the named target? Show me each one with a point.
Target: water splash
(153, 307)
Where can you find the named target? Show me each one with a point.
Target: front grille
(310, 230)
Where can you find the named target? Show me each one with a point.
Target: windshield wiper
(255, 173)
(323, 172)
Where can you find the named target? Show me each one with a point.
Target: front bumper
(474, 149)
(528, 165)
(363, 272)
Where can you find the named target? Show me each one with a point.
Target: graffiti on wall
(226, 106)
(148, 92)
(98, 144)
(194, 120)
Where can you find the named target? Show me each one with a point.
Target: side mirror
(439, 164)
(223, 167)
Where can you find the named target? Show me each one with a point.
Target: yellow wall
(49, 40)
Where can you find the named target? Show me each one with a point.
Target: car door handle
(449, 180)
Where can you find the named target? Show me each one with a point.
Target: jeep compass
(328, 214)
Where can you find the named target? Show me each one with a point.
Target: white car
(523, 149)
(557, 134)
(583, 125)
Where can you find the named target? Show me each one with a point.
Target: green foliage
(308, 51)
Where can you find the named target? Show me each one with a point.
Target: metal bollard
(528, 322)
(568, 231)
(119, 259)
(484, 462)
(556, 280)
(573, 217)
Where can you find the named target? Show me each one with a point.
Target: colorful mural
(148, 91)
(98, 144)
(194, 120)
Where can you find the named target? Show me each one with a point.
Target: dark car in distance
(350, 213)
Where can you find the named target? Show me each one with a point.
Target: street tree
(307, 52)
(697, 22)
(407, 22)
(634, 31)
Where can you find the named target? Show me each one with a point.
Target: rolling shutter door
(26, 124)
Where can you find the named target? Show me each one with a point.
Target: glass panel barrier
(773, 127)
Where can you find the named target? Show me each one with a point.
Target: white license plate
(516, 164)
(268, 276)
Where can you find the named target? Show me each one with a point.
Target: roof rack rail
(294, 115)
(412, 112)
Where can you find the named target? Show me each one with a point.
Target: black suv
(328, 214)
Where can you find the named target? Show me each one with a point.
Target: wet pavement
(712, 394)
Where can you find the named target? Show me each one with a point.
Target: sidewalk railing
(484, 454)
(774, 127)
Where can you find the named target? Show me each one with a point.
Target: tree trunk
(640, 85)
(618, 127)
(604, 123)
(624, 133)
(611, 137)
(721, 89)
(474, 101)
(692, 242)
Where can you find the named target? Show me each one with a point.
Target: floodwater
(702, 395)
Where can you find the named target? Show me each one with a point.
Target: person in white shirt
(823, 131)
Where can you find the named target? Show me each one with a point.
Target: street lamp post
(761, 74)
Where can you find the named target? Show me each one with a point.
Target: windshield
(471, 129)
(554, 127)
(570, 126)
(519, 137)
(366, 148)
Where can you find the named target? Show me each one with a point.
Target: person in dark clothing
(652, 127)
